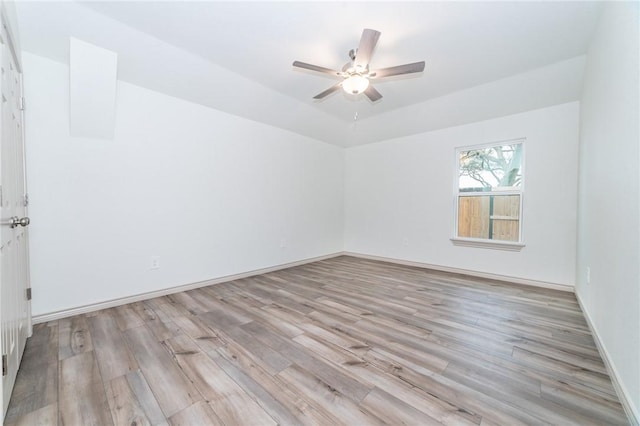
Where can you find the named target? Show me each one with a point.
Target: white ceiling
(236, 56)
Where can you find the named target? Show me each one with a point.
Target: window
(489, 195)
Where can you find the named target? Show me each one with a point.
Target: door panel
(14, 269)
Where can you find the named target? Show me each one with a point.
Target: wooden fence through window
(493, 217)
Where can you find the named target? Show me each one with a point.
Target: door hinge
(22, 104)
(29, 293)
(4, 365)
(26, 200)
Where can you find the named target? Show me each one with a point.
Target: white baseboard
(621, 390)
(505, 278)
(52, 316)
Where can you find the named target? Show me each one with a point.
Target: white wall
(399, 196)
(609, 193)
(212, 194)
(554, 84)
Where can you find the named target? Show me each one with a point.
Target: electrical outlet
(405, 241)
(588, 275)
(283, 242)
(154, 262)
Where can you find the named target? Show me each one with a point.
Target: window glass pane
(491, 168)
(491, 217)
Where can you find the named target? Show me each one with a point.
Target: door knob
(15, 221)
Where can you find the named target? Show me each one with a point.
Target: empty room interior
(322, 213)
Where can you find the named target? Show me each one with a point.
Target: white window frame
(482, 242)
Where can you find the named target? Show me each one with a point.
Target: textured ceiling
(236, 56)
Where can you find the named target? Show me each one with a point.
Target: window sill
(490, 244)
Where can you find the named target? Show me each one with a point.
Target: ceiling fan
(356, 74)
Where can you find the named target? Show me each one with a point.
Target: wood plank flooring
(340, 341)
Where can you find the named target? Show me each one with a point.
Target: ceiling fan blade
(398, 70)
(329, 91)
(368, 42)
(316, 68)
(372, 94)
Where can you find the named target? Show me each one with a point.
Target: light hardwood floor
(341, 341)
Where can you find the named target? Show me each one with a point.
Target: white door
(15, 308)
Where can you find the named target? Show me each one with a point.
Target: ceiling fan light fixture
(356, 73)
(355, 84)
